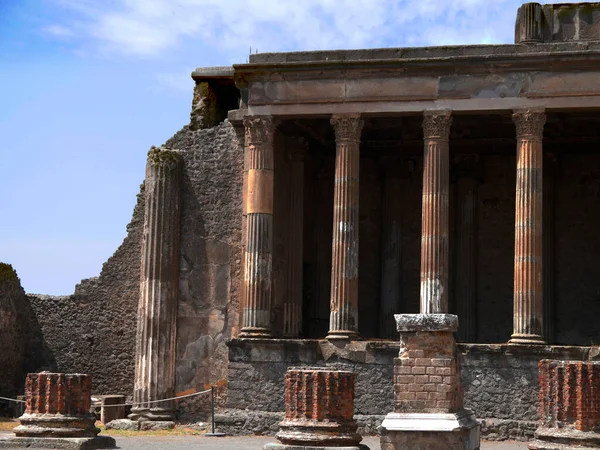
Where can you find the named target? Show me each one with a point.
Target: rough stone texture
(12, 332)
(499, 382)
(426, 322)
(210, 259)
(57, 405)
(123, 424)
(319, 408)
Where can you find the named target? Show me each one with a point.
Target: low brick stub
(570, 395)
(57, 405)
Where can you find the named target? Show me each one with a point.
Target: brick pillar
(391, 249)
(528, 308)
(159, 288)
(319, 409)
(434, 227)
(343, 322)
(569, 405)
(292, 306)
(548, 252)
(57, 405)
(466, 248)
(256, 309)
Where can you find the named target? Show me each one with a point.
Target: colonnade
(434, 284)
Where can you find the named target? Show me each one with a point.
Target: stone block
(426, 322)
(89, 443)
(123, 424)
(108, 412)
(156, 425)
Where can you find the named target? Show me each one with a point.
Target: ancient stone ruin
(57, 414)
(315, 194)
(319, 411)
(569, 406)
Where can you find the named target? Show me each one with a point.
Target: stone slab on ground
(13, 442)
(123, 424)
(310, 447)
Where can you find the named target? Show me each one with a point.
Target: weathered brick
(423, 362)
(418, 371)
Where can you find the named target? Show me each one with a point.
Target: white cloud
(58, 31)
(153, 28)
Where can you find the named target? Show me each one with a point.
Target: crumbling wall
(12, 331)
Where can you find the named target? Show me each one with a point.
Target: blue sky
(87, 86)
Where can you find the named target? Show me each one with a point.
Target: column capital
(163, 157)
(436, 124)
(347, 127)
(530, 123)
(259, 130)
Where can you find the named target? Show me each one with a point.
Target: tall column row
(529, 323)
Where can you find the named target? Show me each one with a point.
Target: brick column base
(428, 410)
(319, 411)
(57, 414)
(569, 405)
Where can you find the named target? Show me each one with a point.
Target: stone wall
(499, 381)
(211, 220)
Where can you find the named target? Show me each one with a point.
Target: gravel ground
(200, 442)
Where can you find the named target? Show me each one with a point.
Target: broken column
(343, 322)
(319, 411)
(528, 300)
(569, 405)
(159, 290)
(57, 414)
(428, 407)
(258, 257)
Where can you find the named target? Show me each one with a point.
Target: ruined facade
(345, 186)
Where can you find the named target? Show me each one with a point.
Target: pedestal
(57, 414)
(428, 410)
(319, 411)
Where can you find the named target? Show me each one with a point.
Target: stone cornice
(568, 60)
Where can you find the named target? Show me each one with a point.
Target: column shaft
(343, 322)
(292, 306)
(391, 252)
(159, 287)
(258, 258)
(434, 224)
(466, 268)
(528, 308)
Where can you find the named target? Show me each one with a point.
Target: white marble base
(449, 430)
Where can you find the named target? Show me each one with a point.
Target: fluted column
(256, 309)
(528, 306)
(391, 249)
(159, 287)
(292, 306)
(466, 268)
(343, 319)
(434, 223)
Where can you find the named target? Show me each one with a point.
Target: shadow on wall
(24, 348)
